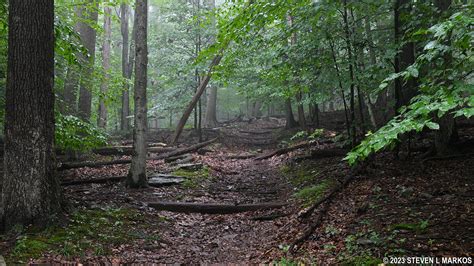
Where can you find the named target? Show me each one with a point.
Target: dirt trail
(201, 238)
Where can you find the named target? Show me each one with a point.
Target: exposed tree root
(309, 231)
(327, 197)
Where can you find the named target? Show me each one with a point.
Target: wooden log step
(213, 208)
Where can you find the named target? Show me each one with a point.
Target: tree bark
(137, 174)
(30, 189)
(88, 38)
(102, 119)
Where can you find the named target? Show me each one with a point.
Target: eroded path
(228, 177)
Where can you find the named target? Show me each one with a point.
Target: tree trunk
(197, 96)
(102, 119)
(447, 132)
(336, 66)
(351, 76)
(30, 189)
(290, 119)
(88, 38)
(211, 111)
(125, 111)
(71, 85)
(137, 175)
(403, 91)
(299, 94)
(301, 117)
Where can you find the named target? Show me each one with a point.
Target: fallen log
(128, 150)
(241, 156)
(212, 208)
(67, 166)
(321, 154)
(159, 180)
(284, 150)
(93, 181)
(269, 217)
(185, 150)
(256, 132)
(175, 158)
(74, 165)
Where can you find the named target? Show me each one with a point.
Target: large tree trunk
(102, 119)
(30, 189)
(88, 37)
(137, 175)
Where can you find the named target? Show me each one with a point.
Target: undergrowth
(89, 232)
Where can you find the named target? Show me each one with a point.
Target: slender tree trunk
(290, 119)
(102, 119)
(351, 76)
(137, 176)
(336, 66)
(447, 132)
(197, 96)
(88, 37)
(211, 110)
(301, 116)
(71, 86)
(30, 190)
(299, 94)
(126, 68)
(403, 91)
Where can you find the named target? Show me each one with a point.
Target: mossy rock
(193, 177)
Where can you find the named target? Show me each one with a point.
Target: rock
(364, 241)
(190, 166)
(406, 192)
(425, 195)
(165, 180)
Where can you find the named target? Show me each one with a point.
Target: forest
(280, 132)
